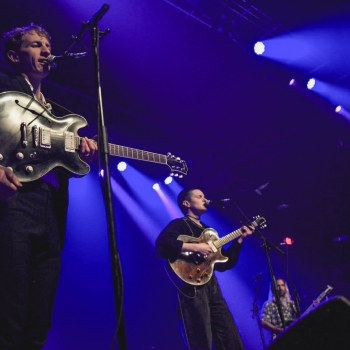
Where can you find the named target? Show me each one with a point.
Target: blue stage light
(311, 83)
(156, 187)
(121, 166)
(259, 48)
(168, 180)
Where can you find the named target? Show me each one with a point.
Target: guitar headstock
(259, 222)
(178, 166)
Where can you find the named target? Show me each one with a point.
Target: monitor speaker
(326, 327)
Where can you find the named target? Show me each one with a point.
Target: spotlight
(342, 111)
(311, 83)
(121, 166)
(338, 109)
(168, 180)
(102, 173)
(156, 187)
(259, 48)
(292, 82)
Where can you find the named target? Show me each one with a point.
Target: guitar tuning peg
(168, 154)
(178, 158)
(176, 175)
(181, 176)
(171, 174)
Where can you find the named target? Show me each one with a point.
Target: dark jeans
(29, 266)
(207, 318)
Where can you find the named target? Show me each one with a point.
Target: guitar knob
(29, 169)
(206, 274)
(190, 276)
(198, 269)
(199, 280)
(19, 155)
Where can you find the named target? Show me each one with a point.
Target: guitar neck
(237, 233)
(228, 238)
(127, 152)
(319, 298)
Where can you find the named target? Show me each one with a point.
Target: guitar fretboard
(237, 233)
(127, 152)
(228, 238)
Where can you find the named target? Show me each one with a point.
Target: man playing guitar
(203, 312)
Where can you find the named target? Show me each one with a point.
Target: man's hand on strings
(88, 150)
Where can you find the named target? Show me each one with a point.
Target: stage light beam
(342, 111)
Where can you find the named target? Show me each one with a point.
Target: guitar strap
(60, 109)
(185, 221)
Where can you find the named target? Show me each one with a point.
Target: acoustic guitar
(33, 141)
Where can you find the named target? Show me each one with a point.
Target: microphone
(54, 61)
(220, 202)
(258, 276)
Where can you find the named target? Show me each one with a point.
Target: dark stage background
(172, 80)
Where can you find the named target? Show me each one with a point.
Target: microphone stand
(294, 292)
(267, 245)
(103, 152)
(256, 312)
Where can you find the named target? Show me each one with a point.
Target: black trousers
(206, 319)
(29, 266)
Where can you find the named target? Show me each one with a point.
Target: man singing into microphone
(202, 310)
(33, 214)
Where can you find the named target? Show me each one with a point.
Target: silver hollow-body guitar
(33, 141)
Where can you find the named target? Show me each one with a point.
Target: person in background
(271, 319)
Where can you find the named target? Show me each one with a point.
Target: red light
(288, 240)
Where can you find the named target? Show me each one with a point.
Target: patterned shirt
(270, 313)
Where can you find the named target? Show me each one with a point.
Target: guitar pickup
(24, 135)
(35, 133)
(45, 138)
(69, 141)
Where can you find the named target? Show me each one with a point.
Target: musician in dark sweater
(202, 310)
(32, 214)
